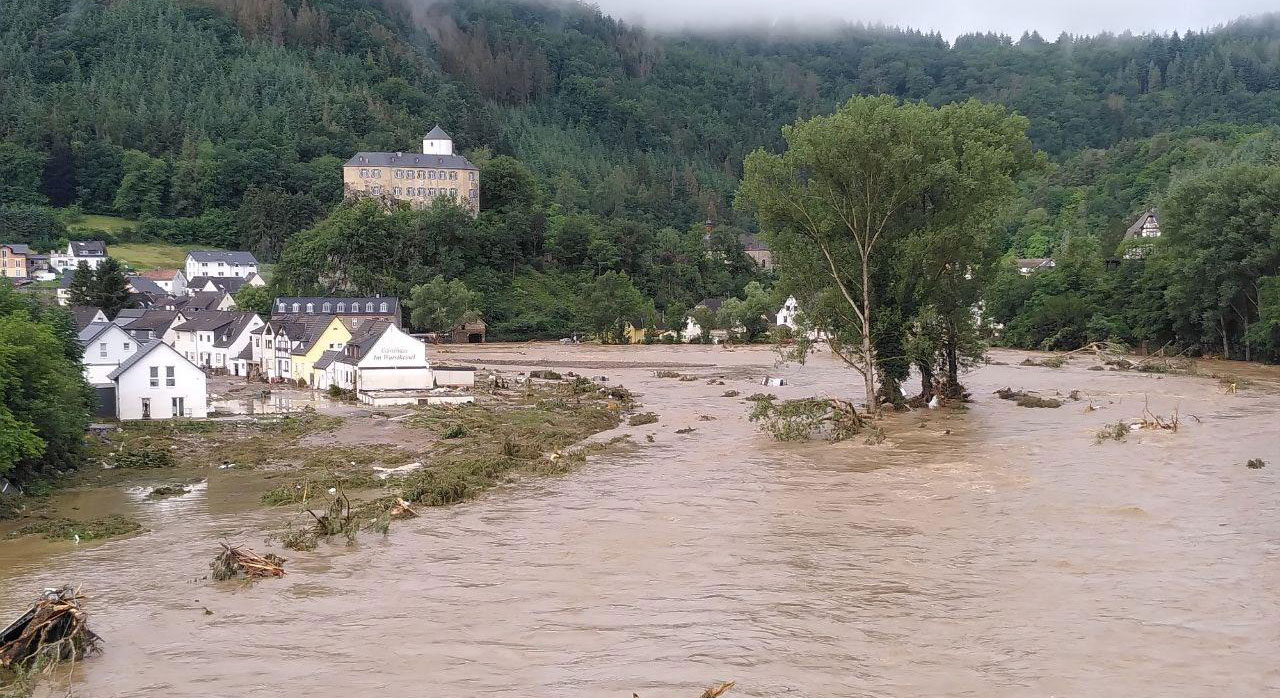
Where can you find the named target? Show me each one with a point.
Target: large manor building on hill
(416, 178)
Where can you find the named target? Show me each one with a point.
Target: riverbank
(995, 550)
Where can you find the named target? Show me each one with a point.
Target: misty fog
(950, 17)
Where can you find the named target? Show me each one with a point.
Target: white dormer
(437, 142)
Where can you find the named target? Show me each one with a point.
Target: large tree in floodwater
(878, 211)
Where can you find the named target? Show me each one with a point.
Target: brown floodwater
(990, 552)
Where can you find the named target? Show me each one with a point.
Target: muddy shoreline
(994, 551)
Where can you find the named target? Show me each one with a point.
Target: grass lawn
(93, 221)
(152, 255)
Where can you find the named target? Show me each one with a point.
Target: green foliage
(32, 225)
(44, 401)
(254, 299)
(143, 458)
(439, 305)
(20, 170)
(609, 303)
(69, 529)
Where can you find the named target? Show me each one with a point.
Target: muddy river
(990, 552)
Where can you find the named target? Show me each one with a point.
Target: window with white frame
(328, 307)
(364, 173)
(368, 307)
(155, 376)
(383, 307)
(342, 307)
(296, 307)
(311, 307)
(102, 350)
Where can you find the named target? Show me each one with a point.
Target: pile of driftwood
(235, 561)
(54, 630)
(713, 692)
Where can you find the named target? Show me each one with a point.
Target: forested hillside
(603, 147)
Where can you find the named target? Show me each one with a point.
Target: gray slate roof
(229, 333)
(326, 359)
(437, 134)
(17, 247)
(207, 320)
(222, 256)
(147, 286)
(375, 159)
(154, 320)
(88, 248)
(317, 304)
(83, 315)
(204, 300)
(227, 284)
(90, 331)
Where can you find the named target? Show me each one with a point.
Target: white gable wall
(396, 361)
(135, 385)
(102, 355)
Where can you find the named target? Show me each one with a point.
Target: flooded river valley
(989, 552)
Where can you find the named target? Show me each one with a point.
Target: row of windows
(425, 174)
(327, 307)
(168, 376)
(102, 349)
(429, 191)
(375, 173)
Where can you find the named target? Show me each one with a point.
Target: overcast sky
(951, 17)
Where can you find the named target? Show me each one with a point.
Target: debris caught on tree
(55, 629)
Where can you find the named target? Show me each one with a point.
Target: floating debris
(54, 630)
(641, 419)
(237, 561)
(1255, 464)
(1023, 399)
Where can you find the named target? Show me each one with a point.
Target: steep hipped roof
(88, 248)
(376, 159)
(222, 256)
(17, 248)
(138, 356)
(437, 134)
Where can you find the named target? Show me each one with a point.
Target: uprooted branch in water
(236, 561)
(54, 630)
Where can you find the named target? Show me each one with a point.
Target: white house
(692, 330)
(1029, 266)
(1136, 243)
(220, 263)
(386, 366)
(787, 313)
(106, 346)
(91, 252)
(159, 383)
(213, 339)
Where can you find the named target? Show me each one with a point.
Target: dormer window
(311, 307)
(342, 307)
(296, 307)
(280, 307)
(368, 307)
(383, 308)
(328, 307)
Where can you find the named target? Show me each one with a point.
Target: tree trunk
(1226, 348)
(926, 380)
(868, 353)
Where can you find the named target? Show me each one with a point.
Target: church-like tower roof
(437, 134)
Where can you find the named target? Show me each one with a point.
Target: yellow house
(321, 334)
(418, 178)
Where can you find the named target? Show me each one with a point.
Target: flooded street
(990, 552)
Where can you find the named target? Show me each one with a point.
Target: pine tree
(110, 288)
(82, 285)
